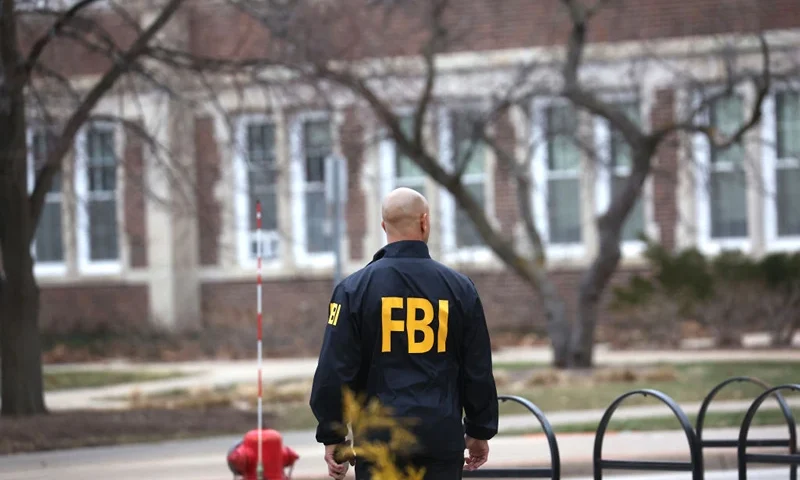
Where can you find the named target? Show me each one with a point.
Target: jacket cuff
(326, 436)
(479, 433)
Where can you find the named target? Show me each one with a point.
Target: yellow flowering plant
(367, 417)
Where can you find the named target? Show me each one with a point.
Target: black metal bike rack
(553, 472)
(790, 443)
(695, 465)
(792, 458)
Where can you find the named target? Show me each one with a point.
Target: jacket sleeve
(338, 366)
(479, 390)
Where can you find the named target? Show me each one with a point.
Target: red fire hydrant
(275, 457)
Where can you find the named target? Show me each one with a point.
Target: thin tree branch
(52, 32)
(762, 83)
(437, 36)
(121, 65)
(524, 195)
(572, 88)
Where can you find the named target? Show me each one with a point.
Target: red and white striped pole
(260, 464)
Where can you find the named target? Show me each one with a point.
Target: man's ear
(423, 221)
(383, 225)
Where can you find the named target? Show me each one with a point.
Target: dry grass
(88, 428)
(551, 390)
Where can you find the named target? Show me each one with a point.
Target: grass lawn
(684, 383)
(689, 383)
(713, 420)
(100, 378)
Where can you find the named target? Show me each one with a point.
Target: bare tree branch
(52, 32)
(762, 83)
(438, 35)
(523, 179)
(122, 64)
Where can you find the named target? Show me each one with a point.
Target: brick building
(118, 256)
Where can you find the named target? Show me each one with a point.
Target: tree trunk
(20, 348)
(594, 282)
(558, 326)
(783, 333)
(21, 371)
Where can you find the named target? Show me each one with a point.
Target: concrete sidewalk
(205, 459)
(200, 375)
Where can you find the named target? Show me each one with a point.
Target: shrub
(728, 294)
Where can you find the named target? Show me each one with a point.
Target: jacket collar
(403, 248)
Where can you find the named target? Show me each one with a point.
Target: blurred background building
(122, 243)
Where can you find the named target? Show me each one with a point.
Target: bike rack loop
(792, 459)
(553, 472)
(695, 465)
(791, 442)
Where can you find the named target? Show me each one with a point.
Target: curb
(585, 467)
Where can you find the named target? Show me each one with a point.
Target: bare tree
(32, 82)
(353, 51)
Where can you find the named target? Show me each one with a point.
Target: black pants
(447, 468)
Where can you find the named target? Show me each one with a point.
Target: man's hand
(336, 471)
(478, 453)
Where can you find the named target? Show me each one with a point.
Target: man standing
(410, 332)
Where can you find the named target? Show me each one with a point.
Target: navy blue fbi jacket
(410, 332)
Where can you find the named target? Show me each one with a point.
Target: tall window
(469, 155)
(48, 243)
(620, 164)
(262, 180)
(317, 145)
(563, 175)
(406, 172)
(787, 174)
(96, 184)
(727, 184)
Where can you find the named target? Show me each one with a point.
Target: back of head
(405, 215)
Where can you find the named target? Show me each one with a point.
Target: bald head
(405, 215)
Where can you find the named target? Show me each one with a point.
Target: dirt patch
(87, 428)
(150, 346)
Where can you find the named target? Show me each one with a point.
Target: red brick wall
(225, 31)
(352, 141)
(295, 311)
(665, 169)
(482, 25)
(208, 174)
(505, 188)
(134, 200)
(70, 57)
(94, 307)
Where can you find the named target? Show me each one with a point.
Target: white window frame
(701, 151)
(450, 253)
(245, 237)
(771, 162)
(387, 150)
(40, 267)
(298, 189)
(85, 264)
(603, 175)
(540, 179)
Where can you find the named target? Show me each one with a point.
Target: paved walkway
(205, 459)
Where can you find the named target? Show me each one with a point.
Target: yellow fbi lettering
(333, 314)
(412, 324)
